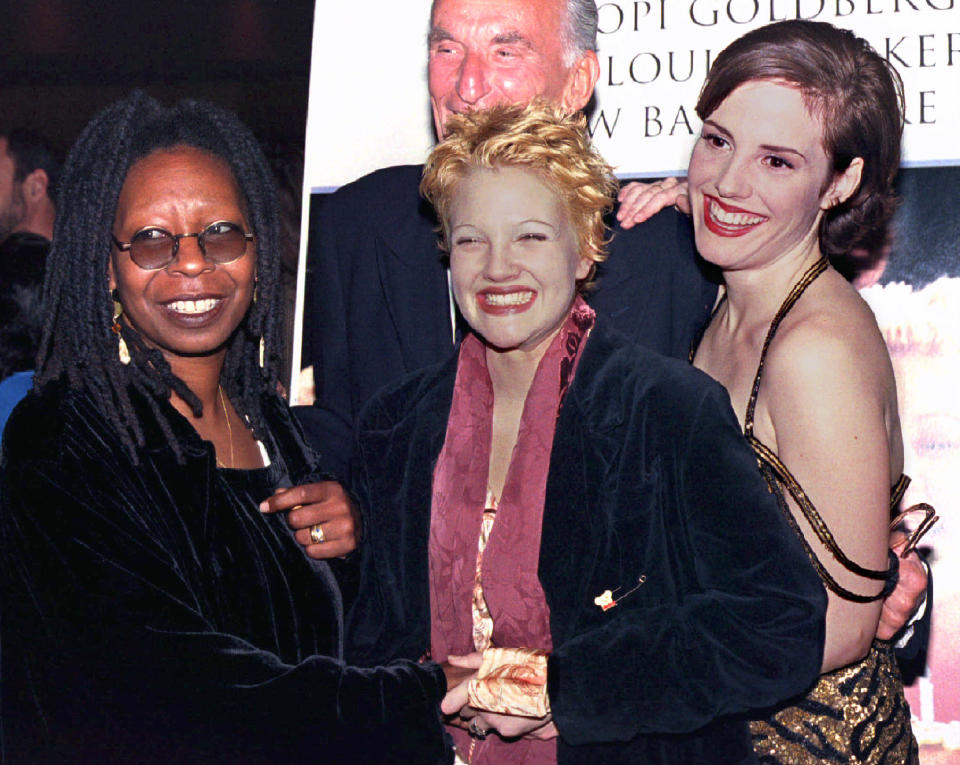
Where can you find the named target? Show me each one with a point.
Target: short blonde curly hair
(537, 136)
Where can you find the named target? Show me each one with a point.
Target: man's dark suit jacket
(378, 303)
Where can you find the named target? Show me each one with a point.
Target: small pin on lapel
(606, 601)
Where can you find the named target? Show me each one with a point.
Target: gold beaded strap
(777, 474)
(774, 470)
(898, 490)
(798, 289)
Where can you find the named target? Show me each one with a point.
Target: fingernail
(264, 507)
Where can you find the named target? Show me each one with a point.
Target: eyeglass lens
(221, 242)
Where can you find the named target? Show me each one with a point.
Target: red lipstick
(728, 221)
(503, 301)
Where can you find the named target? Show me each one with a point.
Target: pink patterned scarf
(511, 587)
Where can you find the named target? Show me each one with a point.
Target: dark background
(61, 61)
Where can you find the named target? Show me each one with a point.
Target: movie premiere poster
(369, 109)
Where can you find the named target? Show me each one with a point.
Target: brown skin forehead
(182, 174)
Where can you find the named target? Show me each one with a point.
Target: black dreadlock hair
(77, 339)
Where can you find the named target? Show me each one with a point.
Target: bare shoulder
(829, 385)
(830, 335)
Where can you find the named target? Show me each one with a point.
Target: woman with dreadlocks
(151, 612)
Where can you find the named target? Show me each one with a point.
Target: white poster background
(369, 106)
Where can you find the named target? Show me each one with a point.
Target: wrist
(511, 681)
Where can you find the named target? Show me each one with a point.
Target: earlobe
(583, 77)
(844, 185)
(37, 184)
(111, 279)
(583, 268)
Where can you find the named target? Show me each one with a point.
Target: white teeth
(733, 219)
(509, 298)
(193, 306)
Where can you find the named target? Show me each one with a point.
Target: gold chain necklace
(223, 405)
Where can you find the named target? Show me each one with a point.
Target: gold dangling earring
(122, 349)
(256, 287)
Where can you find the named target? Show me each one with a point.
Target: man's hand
(901, 604)
(640, 201)
(318, 511)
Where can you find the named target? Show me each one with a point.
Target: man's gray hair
(580, 29)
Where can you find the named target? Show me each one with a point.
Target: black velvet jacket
(151, 613)
(649, 475)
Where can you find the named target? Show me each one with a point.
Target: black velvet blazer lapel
(583, 457)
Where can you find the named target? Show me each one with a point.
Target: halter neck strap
(798, 289)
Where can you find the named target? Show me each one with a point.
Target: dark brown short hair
(856, 94)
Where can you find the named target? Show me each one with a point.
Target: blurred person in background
(29, 174)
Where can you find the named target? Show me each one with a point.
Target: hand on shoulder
(641, 201)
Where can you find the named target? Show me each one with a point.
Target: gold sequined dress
(855, 714)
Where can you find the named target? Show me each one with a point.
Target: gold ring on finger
(316, 534)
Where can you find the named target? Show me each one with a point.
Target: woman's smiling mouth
(193, 306)
(505, 300)
(726, 220)
(193, 313)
